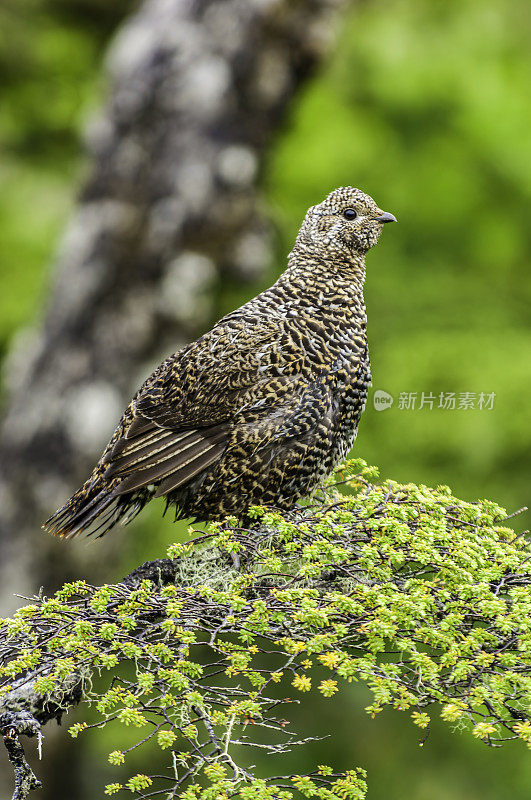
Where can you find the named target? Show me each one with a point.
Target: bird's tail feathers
(93, 510)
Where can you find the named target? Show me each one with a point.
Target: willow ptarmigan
(262, 407)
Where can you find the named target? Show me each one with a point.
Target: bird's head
(345, 225)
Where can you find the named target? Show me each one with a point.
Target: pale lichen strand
(422, 596)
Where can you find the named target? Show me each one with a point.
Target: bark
(169, 211)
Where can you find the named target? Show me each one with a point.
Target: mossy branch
(423, 597)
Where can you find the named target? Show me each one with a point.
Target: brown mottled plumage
(262, 407)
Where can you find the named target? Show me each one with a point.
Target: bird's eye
(350, 213)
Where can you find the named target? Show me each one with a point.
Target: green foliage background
(425, 105)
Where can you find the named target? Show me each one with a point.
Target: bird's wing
(180, 421)
(164, 457)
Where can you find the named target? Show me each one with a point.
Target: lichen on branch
(423, 597)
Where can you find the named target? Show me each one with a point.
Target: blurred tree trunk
(168, 212)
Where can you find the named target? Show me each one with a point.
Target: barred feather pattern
(261, 408)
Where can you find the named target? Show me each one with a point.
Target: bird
(261, 408)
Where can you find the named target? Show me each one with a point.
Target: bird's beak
(385, 216)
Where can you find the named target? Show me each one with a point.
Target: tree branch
(422, 596)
